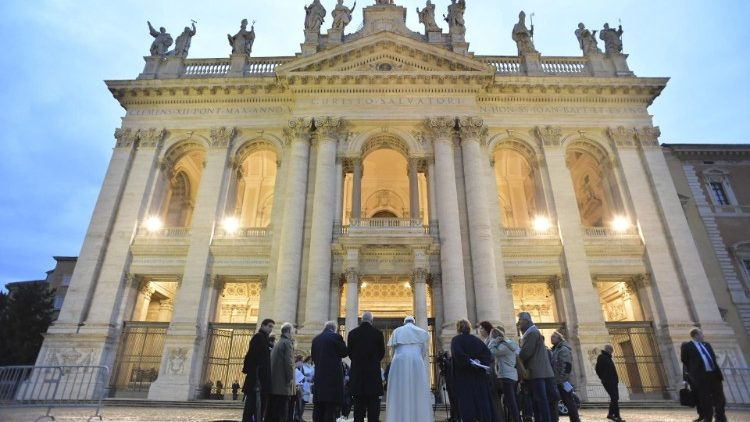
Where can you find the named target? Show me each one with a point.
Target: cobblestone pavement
(147, 414)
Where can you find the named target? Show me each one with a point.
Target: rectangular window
(58, 302)
(720, 196)
(746, 264)
(66, 279)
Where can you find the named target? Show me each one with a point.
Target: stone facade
(473, 186)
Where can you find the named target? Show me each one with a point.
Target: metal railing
(737, 385)
(226, 346)
(53, 387)
(637, 358)
(139, 357)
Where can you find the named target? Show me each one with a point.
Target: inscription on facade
(515, 109)
(381, 101)
(212, 111)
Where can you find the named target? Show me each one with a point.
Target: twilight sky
(57, 118)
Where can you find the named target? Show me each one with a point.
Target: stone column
(441, 132)
(473, 132)
(431, 190)
(180, 371)
(142, 301)
(338, 214)
(326, 137)
(356, 190)
(166, 307)
(589, 327)
(413, 189)
(287, 284)
(352, 299)
(419, 292)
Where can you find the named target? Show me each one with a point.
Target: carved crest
(548, 135)
(222, 136)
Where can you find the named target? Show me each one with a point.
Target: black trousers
(567, 398)
(614, 399)
(248, 413)
(710, 395)
(279, 408)
(325, 412)
(366, 406)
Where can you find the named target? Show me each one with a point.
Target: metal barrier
(53, 387)
(737, 385)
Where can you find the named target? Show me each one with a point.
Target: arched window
(519, 188)
(255, 187)
(597, 194)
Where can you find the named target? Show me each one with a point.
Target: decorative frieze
(622, 137)
(548, 136)
(221, 137)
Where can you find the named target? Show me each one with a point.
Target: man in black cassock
(257, 367)
(366, 349)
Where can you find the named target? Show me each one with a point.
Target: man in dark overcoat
(257, 367)
(328, 348)
(607, 372)
(470, 381)
(366, 346)
(702, 372)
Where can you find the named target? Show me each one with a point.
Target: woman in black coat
(470, 382)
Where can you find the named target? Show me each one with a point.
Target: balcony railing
(243, 233)
(215, 68)
(730, 209)
(164, 233)
(389, 226)
(563, 65)
(504, 64)
(529, 233)
(610, 233)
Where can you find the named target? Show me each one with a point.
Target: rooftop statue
(182, 44)
(242, 41)
(315, 16)
(523, 36)
(455, 17)
(427, 17)
(162, 41)
(342, 15)
(586, 40)
(383, 1)
(612, 39)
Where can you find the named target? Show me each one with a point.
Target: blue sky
(57, 117)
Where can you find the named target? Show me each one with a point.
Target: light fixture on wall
(407, 285)
(364, 284)
(620, 224)
(541, 224)
(154, 224)
(230, 225)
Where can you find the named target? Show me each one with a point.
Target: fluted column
(352, 299)
(413, 189)
(440, 130)
(142, 301)
(357, 190)
(419, 292)
(472, 132)
(290, 244)
(328, 131)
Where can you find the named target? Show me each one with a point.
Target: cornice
(708, 150)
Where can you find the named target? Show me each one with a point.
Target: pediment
(384, 53)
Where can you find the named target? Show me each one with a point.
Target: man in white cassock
(408, 396)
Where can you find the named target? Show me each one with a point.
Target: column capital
(622, 137)
(299, 130)
(150, 138)
(329, 129)
(263, 280)
(440, 129)
(648, 136)
(548, 136)
(221, 137)
(125, 137)
(472, 129)
(419, 275)
(642, 280)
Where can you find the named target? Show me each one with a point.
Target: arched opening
(255, 185)
(178, 187)
(597, 194)
(519, 188)
(384, 214)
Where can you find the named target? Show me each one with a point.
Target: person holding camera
(505, 351)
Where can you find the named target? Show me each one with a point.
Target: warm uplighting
(364, 284)
(154, 224)
(542, 224)
(407, 285)
(230, 225)
(621, 224)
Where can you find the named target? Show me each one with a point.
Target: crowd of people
(488, 376)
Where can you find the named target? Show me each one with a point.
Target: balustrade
(166, 232)
(509, 64)
(206, 68)
(563, 65)
(607, 232)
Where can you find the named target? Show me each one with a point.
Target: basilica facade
(392, 171)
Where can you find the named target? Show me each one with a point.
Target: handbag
(687, 396)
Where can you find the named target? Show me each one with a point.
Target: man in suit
(366, 347)
(607, 372)
(257, 367)
(283, 385)
(702, 371)
(536, 360)
(328, 348)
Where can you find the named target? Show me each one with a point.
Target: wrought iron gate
(225, 354)
(138, 357)
(637, 358)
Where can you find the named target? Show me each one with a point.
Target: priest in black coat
(257, 367)
(328, 348)
(470, 381)
(366, 347)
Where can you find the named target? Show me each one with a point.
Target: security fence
(53, 386)
(638, 359)
(138, 358)
(226, 346)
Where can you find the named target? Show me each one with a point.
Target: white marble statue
(586, 40)
(523, 36)
(342, 15)
(242, 41)
(182, 43)
(162, 41)
(427, 18)
(315, 15)
(455, 17)
(612, 39)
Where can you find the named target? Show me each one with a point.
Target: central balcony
(386, 231)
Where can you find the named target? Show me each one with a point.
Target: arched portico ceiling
(590, 147)
(254, 145)
(514, 143)
(385, 141)
(182, 148)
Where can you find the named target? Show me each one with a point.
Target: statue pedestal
(237, 65)
(459, 44)
(620, 61)
(311, 44)
(435, 37)
(335, 37)
(172, 68)
(597, 66)
(151, 68)
(531, 63)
